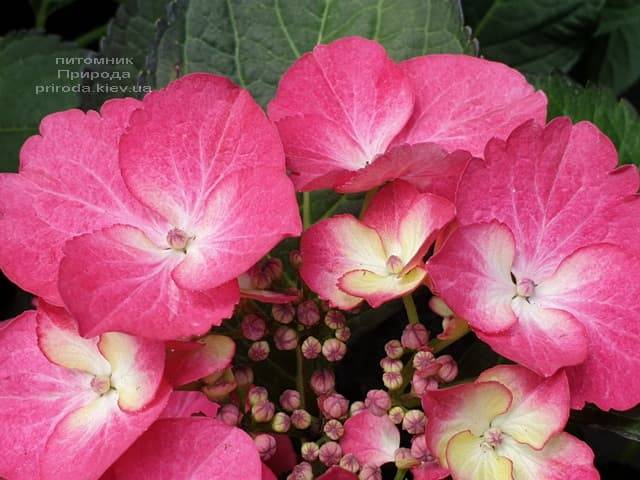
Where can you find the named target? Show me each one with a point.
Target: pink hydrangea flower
(543, 266)
(140, 218)
(190, 361)
(506, 425)
(347, 115)
(378, 258)
(372, 439)
(69, 406)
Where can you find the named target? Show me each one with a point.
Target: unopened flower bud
(392, 380)
(283, 312)
(222, 386)
(259, 351)
(229, 414)
(378, 402)
(389, 364)
(334, 429)
(257, 395)
(253, 327)
(334, 350)
(414, 422)
(350, 463)
(310, 451)
(370, 472)
(356, 407)
(425, 363)
(448, 368)
(420, 385)
(394, 264)
(295, 258)
(178, 239)
(330, 453)
(393, 349)
(415, 336)
(273, 267)
(301, 419)
(302, 471)
(404, 460)
(290, 400)
(263, 412)
(266, 446)
(281, 422)
(334, 406)
(285, 338)
(322, 381)
(260, 278)
(419, 448)
(343, 334)
(311, 348)
(334, 319)
(308, 313)
(396, 415)
(243, 375)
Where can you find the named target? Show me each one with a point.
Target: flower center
(525, 287)
(178, 239)
(101, 384)
(394, 264)
(492, 437)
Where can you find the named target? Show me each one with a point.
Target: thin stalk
(306, 209)
(91, 36)
(410, 307)
(438, 345)
(300, 375)
(41, 15)
(400, 475)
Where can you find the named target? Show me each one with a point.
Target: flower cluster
(176, 335)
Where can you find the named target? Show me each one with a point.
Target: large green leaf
(616, 118)
(253, 42)
(32, 85)
(537, 36)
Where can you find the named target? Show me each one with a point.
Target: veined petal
(378, 289)
(472, 273)
(185, 404)
(469, 459)
(335, 246)
(210, 354)
(372, 439)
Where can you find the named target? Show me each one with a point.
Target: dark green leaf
(31, 86)
(536, 36)
(617, 119)
(625, 424)
(253, 42)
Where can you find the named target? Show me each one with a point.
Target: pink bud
(283, 312)
(311, 348)
(301, 419)
(259, 351)
(414, 422)
(389, 364)
(257, 395)
(281, 422)
(350, 463)
(266, 446)
(290, 400)
(330, 453)
(285, 338)
(392, 380)
(333, 429)
(415, 336)
(302, 471)
(308, 313)
(419, 448)
(378, 402)
(448, 368)
(420, 385)
(263, 412)
(322, 381)
(221, 386)
(356, 407)
(404, 460)
(343, 334)
(178, 239)
(525, 287)
(334, 350)
(334, 319)
(425, 362)
(310, 451)
(253, 327)
(394, 264)
(370, 472)
(393, 349)
(243, 375)
(295, 258)
(334, 406)
(273, 267)
(260, 278)
(396, 415)
(229, 414)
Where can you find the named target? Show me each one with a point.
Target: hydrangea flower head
(506, 426)
(347, 115)
(346, 260)
(543, 266)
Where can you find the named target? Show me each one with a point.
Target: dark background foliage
(584, 53)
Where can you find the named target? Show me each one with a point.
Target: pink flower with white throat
(378, 258)
(70, 406)
(544, 264)
(508, 425)
(139, 219)
(351, 119)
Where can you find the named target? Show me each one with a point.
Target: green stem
(91, 36)
(438, 345)
(300, 375)
(367, 200)
(41, 15)
(410, 307)
(334, 207)
(400, 475)
(306, 209)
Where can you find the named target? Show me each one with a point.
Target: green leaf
(254, 42)
(616, 118)
(626, 424)
(130, 37)
(32, 85)
(535, 36)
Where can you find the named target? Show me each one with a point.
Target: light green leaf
(32, 85)
(617, 119)
(254, 42)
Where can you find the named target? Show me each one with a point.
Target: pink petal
(267, 474)
(285, 457)
(185, 404)
(462, 102)
(556, 189)
(378, 289)
(69, 183)
(116, 279)
(167, 452)
(595, 286)
(337, 108)
(337, 473)
(427, 166)
(429, 471)
(335, 246)
(372, 439)
(267, 296)
(472, 273)
(211, 354)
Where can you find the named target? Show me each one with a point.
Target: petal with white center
(469, 459)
